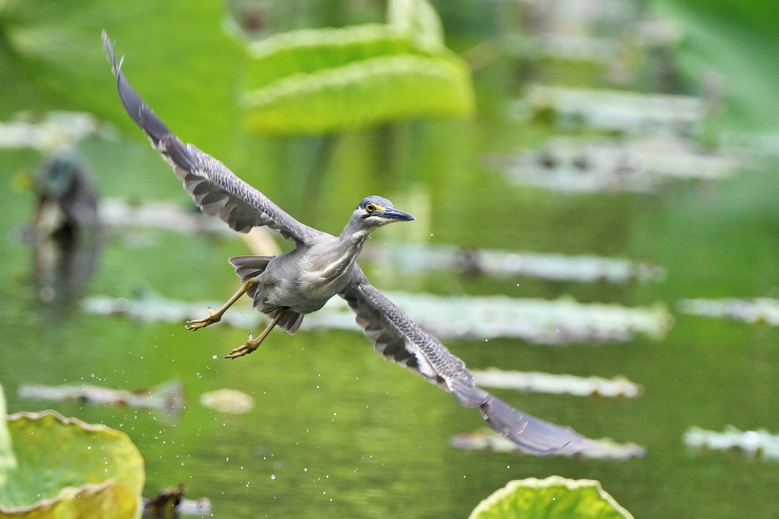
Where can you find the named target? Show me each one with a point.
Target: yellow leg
(216, 316)
(252, 344)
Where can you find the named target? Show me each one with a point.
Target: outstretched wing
(400, 340)
(213, 187)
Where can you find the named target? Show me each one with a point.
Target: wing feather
(213, 187)
(400, 340)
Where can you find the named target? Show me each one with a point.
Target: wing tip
(533, 434)
(135, 107)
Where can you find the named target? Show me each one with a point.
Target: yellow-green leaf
(552, 498)
(68, 468)
(359, 94)
(324, 80)
(419, 21)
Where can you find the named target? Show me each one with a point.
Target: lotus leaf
(68, 468)
(419, 20)
(550, 498)
(322, 80)
(359, 94)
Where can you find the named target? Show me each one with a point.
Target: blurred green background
(336, 430)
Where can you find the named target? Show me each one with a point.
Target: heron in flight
(288, 286)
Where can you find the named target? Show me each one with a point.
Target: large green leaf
(321, 80)
(419, 21)
(68, 468)
(552, 498)
(309, 51)
(359, 94)
(184, 64)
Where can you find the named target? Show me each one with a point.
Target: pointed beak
(390, 214)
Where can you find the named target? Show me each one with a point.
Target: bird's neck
(349, 246)
(353, 236)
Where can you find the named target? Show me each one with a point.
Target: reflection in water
(66, 230)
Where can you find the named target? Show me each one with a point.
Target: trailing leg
(216, 316)
(252, 344)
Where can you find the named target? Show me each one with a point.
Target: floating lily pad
(562, 321)
(758, 443)
(535, 382)
(68, 468)
(550, 498)
(761, 310)
(604, 449)
(167, 396)
(228, 400)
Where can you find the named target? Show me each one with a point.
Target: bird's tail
(248, 267)
(291, 321)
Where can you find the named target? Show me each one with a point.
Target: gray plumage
(288, 286)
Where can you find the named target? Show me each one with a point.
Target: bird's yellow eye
(370, 208)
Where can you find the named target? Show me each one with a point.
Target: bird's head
(376, 211)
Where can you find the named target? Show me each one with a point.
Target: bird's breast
(296, 283)
(321, 285)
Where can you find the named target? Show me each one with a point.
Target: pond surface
(336, 430)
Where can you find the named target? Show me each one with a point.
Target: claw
(216, 316)
(245, 349)
(252, 344)
(196, 324)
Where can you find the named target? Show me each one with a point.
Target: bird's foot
(213, 317)
(245, 348)
(252, 344)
